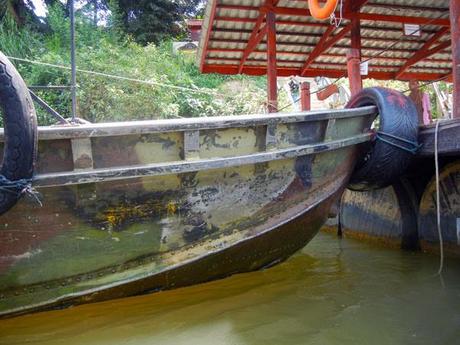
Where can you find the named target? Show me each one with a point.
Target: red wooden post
(417, 96)
(271, 63)
(356, 34)
(455, 34)
(305, 97)
(354, 71)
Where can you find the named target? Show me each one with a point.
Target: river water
(332, 292)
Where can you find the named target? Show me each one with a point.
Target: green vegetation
(107, 49)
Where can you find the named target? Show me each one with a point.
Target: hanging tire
(20, 135)
(388, 156)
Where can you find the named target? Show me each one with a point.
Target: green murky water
(333, 292)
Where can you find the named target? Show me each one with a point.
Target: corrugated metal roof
(231, 23)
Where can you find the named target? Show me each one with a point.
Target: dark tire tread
(384, 163)
(20, 123)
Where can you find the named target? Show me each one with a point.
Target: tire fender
(383, 161)
(20, 133)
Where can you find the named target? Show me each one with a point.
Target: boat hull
(127, 213)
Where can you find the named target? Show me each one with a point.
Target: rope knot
(20, 188)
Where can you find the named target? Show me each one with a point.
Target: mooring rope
(337, 21)
(438, 199)
(112, 76)
(406, 145)
(19, 188)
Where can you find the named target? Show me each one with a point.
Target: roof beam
(408, 7)
(343, 61)
(336, 65)
(208, 35)
(408, 52)
(300, 44)
(396, 31)
(253, 42)
(314, 72)
(426, 51)
(403, 19)
(353, 6)
(324, 44)
(258, 32)
(303, 12)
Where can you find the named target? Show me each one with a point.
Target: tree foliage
(107, 50)
(154, 20)
(146, 21)
(22, 13)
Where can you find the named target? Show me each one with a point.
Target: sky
(40, 9)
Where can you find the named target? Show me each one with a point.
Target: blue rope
(19, 188)
(413, 147)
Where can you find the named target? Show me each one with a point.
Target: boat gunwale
(179, 167)
(192, 124)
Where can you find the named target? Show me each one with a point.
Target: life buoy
(322, 12)
(20, 135)
(386, 158)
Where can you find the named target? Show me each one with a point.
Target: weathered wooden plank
(331, 130)
(449, 132)
(191, 145)
(270, 138)
(82, 154)
(98, 175)
(189, 124)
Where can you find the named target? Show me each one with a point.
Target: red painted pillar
(354, 71)
(305, 97)
(356, 35)
(417, 96)
(455, 33)
(271, 63)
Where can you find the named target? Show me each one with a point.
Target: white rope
(438, 200)
(146, 82)
(334, 21)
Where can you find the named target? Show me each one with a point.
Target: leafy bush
(105, 50)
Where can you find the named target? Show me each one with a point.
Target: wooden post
(354, 71)
(356, 35)
(305, 97)
(417, 96)
(455, 34)
(271, 63)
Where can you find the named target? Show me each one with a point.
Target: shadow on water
(333, 292)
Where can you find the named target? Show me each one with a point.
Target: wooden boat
(135, 207)
(144, 206)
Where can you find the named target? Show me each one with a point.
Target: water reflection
(333, 292)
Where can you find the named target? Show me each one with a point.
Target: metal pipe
(72, 60)
(271, 63)
(48, 109)
(455, 34)
(50, 87)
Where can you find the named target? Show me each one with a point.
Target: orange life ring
(322, 12)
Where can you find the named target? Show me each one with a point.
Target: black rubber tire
(383, 163)
(20, 123)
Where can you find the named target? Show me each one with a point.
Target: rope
(312, 93)
(427, 84)
(413, 146)
(19, 188)
(334, 21)
(101, 74)
(438, 200)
